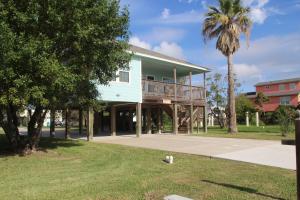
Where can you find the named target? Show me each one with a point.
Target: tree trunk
(67, 123)
(80, 121)
(52, 122)
(35, 126)
(9, 123)
(232, 127)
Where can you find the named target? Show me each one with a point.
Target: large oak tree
(54, 53)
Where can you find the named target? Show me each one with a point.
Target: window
(281, 87)
(285, 100)
(124, 76)
(150, 78)
(292, 86)
(267, 87)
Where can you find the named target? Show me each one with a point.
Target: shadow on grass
(44, 145)
(243, 189)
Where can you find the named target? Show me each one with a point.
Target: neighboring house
(154, 84)
(24, 118)
(279, 92)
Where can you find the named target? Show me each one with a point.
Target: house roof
(278, 81)
(273, 94)
(155, 55)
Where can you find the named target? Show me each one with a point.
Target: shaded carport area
(265, 152)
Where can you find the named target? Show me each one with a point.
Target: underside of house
(157, 95)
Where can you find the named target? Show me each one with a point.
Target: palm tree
(226, 23)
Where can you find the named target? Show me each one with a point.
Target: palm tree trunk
(232, 127)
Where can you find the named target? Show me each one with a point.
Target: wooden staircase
(183, 114)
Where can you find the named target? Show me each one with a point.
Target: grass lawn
(81, 170)
(252, 132)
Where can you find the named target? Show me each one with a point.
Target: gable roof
(278, 81)
(155, 55)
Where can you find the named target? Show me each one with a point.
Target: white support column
(257, 119)
(247, 118)
(205, 104)
(175, 84)
(191, 125)
(175, 119)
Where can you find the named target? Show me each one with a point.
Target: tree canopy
(54, 53)
(243, 105)
(217, 96)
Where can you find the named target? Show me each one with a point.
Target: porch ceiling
(165, 66)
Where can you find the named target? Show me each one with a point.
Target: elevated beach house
(155, 85)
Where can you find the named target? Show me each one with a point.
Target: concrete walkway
(264, 152)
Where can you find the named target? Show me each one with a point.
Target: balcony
(162, 92)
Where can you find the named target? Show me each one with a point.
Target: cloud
(137, 42)
(170, 49)
(182, 18)
(204, 4)
(159, 34)
(165, 13)
(247, 73)
(258, 12)
(167, 17)
(187, 1)
(268, 58)
(258, 15)
(257, 3)
(273, 53)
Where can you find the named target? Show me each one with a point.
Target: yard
(70, 169)
(269, 132)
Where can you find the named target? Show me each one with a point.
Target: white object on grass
(176, 197)
(169, 159)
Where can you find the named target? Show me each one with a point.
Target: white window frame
(294, 86)
(282, 85)
(124, 71)
(118, 77)
(284, 99)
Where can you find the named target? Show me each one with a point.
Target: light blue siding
(158, 75)
(125, 92)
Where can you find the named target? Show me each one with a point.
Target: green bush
(270, 118)
(285, 116)
(243, 105)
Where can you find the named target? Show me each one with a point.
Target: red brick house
(280, 92)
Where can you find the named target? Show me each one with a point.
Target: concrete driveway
(264, 152)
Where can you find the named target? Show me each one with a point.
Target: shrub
(270, 118)
(285, 116)
(243, 105)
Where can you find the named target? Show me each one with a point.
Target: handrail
(159, 89)
(172, 83)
